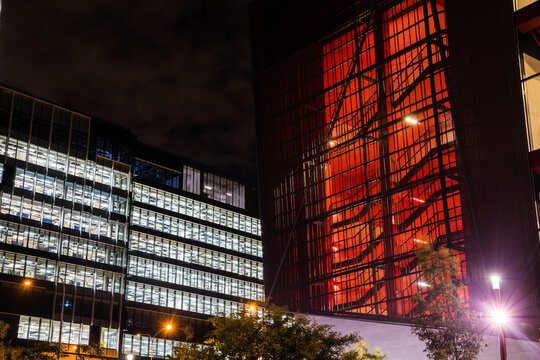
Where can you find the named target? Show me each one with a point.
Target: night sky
(177, 73)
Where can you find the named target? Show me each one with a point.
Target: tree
(449, 328)
(92, 351)
(360, 352)
(276, 335)
(39, 351)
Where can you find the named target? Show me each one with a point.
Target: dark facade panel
(490, 123)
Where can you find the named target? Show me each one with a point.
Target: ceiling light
(411, 121)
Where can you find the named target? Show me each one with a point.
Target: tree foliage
(450, 330)
(276, 335)
(92, 351)
(360, 352)
(39, 351)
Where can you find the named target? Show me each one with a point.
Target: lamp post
(61, 309)
(498, 315)
(167, 328)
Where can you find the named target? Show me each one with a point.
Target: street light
(496, 282)
(498, 315)
(168, 327)
(129, 357)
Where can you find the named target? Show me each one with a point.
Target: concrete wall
(398, 343)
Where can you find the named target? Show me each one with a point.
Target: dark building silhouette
(383, 126)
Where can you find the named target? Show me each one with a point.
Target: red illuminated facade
(359, 163)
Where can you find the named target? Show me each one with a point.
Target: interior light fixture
(410, 120)
(419, 200)
(420, 241)
(423, 284)
(332, 143)
(207, 187)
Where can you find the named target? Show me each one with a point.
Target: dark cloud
(176, 72)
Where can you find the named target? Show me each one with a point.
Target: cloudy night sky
(177, 73)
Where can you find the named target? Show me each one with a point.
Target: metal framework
(362, 157)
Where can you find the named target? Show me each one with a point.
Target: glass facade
(359, 162)
(185, 229)
(224, 190)
(177, 250)
(142, 346)
(181, 300)
(184, 276)
(529, 58)
(196, 209)
(129, 241)
(34, 328)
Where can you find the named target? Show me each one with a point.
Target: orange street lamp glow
(27, 283)
(168, 327)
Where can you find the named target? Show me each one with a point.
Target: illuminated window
(34, 328)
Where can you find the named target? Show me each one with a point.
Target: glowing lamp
(423, 284)
(168, 327)
(495, 282)
(129, 357)
(499, 316)
(420, 241)
(27, 283)
(331, 143)
(411, 121)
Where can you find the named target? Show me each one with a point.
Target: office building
(104, 240)
(383, 126)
